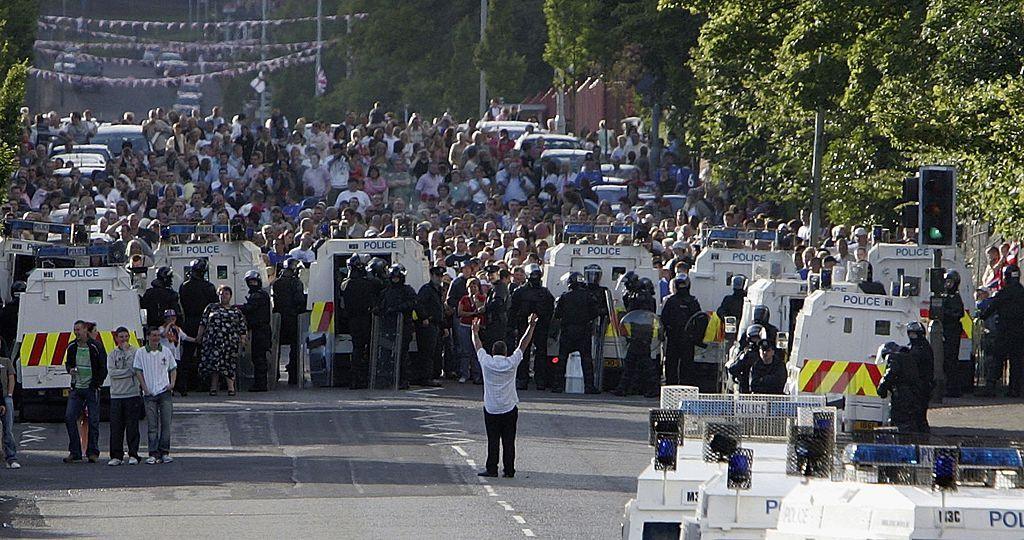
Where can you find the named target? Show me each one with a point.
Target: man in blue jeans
(156, 369)
(87, 363)
(7, 381)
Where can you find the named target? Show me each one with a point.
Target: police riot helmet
(397, 273)
(592, 273)
(647, 285)
(761, 314)
(291, 266)
(739, 282)
(680, 283)
(378, 267)
(886, 349)
(951, 280)
(575, 280)
(534, 273)
(164, 276)
(631, 281)
(1011, 273)
(253, 279)
(17, 288)
(756, 332)
(915, 330)
(198, 268)
(357, 263)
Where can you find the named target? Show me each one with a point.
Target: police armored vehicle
(602, 265)
(18, 246)
(329, 341)
(731, 252)
(227, 254)
(71, 283)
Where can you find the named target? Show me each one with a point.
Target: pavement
(321, 463)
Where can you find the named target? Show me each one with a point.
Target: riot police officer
(679, 307)
(194, 294)
(9, 318)
(640, 370)
(902, 380)
(533, 298)
(290, 302)
(429, 330)
(732, 304)
(160, 297)
(749, 353)
(257, 311)
(398, 300)
(950, 316)
(496, 307)
(761, 315)
(1008, 305)
(360, 294)
(576, 310)
(921, 351)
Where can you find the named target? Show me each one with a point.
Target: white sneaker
(14, 465)
(462, 380)
(114, 462)
(151, 460)
(168, 459)
(133, 461)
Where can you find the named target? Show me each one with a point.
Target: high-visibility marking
(966, 322)
(321, 320)
(50, 348)
(840, 377)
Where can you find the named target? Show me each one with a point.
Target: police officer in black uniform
(679, 307)
(360, 293)
(290, 302)
(257, 311)
(576, 310)
(753, 337)
(9, 318)
(921, 351)
(760, 315)
(1008, 305)
(195, 294)
(952, 313)
(903, 381)
(732, 304)
(429, 330)
(399, 299)
(640, 372)
(496, 306)
(533, 298)
(160, 297)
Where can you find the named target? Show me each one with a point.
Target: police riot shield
(641, 323)
(386, 351)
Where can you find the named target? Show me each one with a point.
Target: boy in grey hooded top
(125, 400)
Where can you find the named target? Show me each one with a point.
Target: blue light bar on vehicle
(589, 228)
(881, 454)
(997, 458)
(171, 230)
(73, 251)
(38, 226)
(740, 234)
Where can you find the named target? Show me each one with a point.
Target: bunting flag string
(182, 46)
(269, 66)
(111, 24)
(210, 64)
(122, 37)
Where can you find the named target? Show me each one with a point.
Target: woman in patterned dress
(221, 330)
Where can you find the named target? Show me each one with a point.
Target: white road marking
(28, 437)
(506, 506)
(519, 520)
(490, 491)
(444, 430)
(458, 450)
(471, 463)
(528, 532)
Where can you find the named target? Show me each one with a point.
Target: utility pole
(819, 147)
(319, 45)
(263, 56)
(348, 45)
(483, 81)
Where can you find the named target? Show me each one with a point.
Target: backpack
(696, 327)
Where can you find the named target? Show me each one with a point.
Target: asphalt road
(336, 463)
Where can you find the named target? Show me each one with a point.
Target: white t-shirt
(345, 196)
(155, 366)
(499, 374)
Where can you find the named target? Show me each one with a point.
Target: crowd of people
(487, 208)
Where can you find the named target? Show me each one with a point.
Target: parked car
(574, 157)
(171, 64)
(113, 136)
(98, 149)
(515, 128)
(552, 141)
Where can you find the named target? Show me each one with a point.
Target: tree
(17, 34)
(512, 51)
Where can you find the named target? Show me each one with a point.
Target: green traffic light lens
(934, 233)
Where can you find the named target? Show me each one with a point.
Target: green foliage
(901, 84)
(17, 34)
(511, 53)
(12, 96)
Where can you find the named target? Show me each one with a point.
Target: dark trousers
(951, 364)
(1014, 353)
(360, 373)
(542, 366)
(124, 423)
(188, 369)
(640, 374)
(569, 342)
(679, 364)
(260, 350)
(501, 432)
(78, 400)
(428, 356)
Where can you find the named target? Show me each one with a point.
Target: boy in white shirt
(157, 370)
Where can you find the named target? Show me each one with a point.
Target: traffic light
(938, 206)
